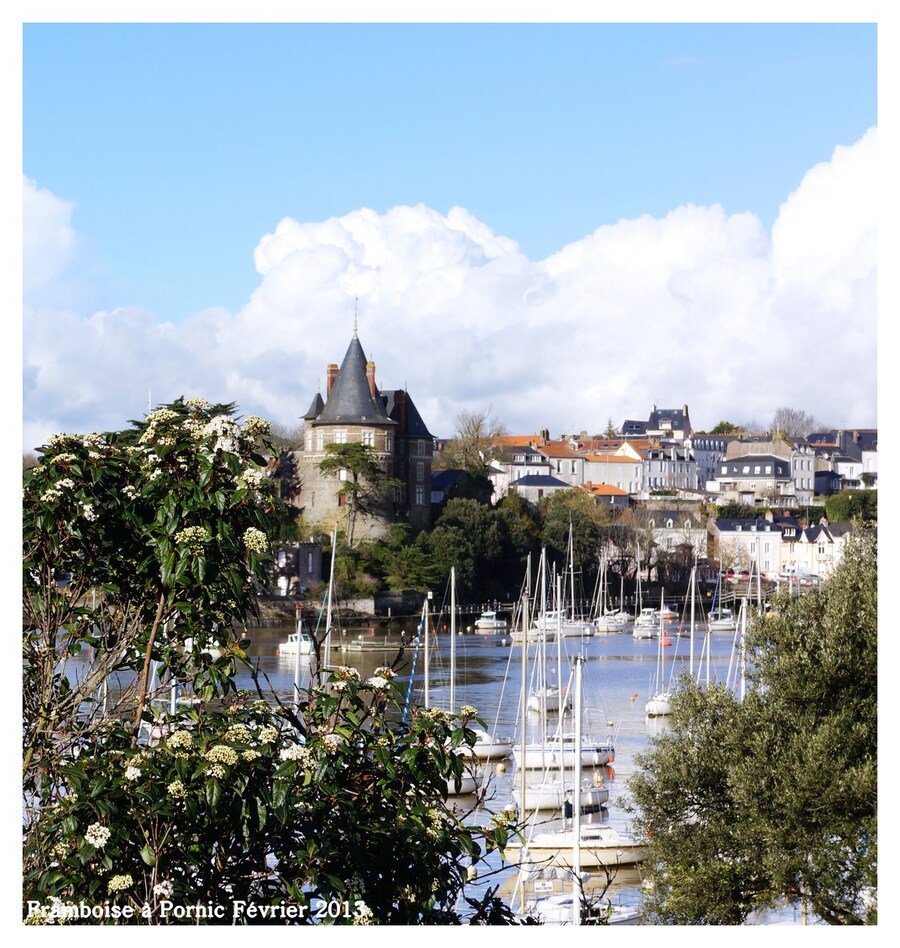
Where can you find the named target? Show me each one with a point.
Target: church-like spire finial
(355, 316)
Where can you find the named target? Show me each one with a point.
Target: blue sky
(562, 223)
(181, 144)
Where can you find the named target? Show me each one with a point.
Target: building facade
(355, 410)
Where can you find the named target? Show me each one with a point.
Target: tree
(775, 797)
(365, 486)
(791, 424)
(853, 505)
(724, 428)
(134, 543)
(472, 447)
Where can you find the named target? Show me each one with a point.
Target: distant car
(744, 574)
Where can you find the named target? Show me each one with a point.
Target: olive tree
(775, 798)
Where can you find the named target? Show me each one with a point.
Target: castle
(355, 410)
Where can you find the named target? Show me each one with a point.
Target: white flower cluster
(362, 914)
(221, 754)
(268, 735)
(251, 478)
(239, 733)
(132, 773)
(176, 790)
(332, 743)
(157, 424)
(250, 755)
(255, 540)
(60, 442)
(225, 431)
(346, 673)
(120, 883)
(130, 491)
(88, 512)
(164, 889)
(197, 403)
(378, 683)
(216, 770)
(97, 835)
(51, 495)
(193, 538)
(255, 427)
(297, 752)
(467, 711)
(385, 672)
(180, 740)
(66, 482)
(65, 458)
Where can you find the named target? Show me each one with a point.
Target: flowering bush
(251, 805)
(137, 543)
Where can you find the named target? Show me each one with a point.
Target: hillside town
(682, 484)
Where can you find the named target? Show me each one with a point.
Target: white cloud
(697, 307)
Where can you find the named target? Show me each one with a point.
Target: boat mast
(692, 585)
(576, 812)
(452, 638)
(524, 698)
(326, 651)
(426, 670)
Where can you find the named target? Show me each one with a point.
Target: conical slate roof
(350, 402)
(315, 408)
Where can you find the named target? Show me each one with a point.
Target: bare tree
(792, 423)
(472, 447)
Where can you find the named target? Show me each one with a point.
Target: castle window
(420, 495)
(420, 470)
(340, 437)
(320, 441)
(388, 442)
(368, 437)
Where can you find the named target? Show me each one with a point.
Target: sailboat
(660, 704)
(588, 846)
(607, 619)
(553, 756)
(298, 641)
(549, 698)
(466, 783)
(646, 621)
(562, 620)
(487, 746)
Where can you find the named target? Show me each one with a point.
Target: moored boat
(600, 845)
(489, 621)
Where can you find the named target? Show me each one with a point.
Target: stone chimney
(370, 377)
(331, 373)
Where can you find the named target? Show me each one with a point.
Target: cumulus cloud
(698, 307)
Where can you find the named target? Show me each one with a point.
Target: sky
(561, 224)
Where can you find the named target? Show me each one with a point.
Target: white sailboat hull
(614, 622)
(487, 747)
(552, 796)
(552, 755)
(601, 845)
(659, 705)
